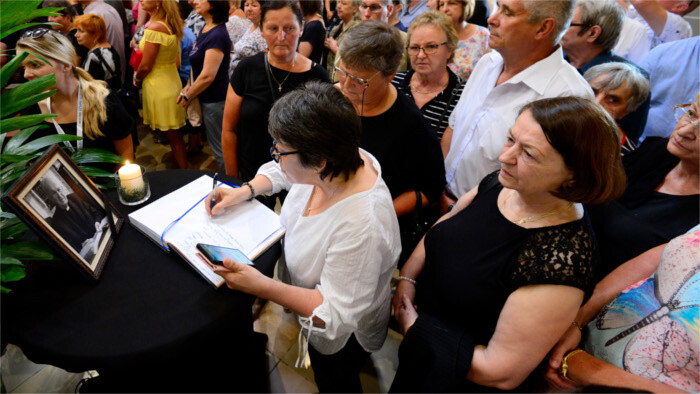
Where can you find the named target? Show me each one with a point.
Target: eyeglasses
(683, 111)
(275, 154)
(583, 26)
(429, 49)
(374, 8)
(36, 33)
(356, 80)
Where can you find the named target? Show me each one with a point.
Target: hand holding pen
(222, 197)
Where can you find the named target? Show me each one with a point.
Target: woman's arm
(414, 265)
(229, 130)
(150, 52)
(125, 148)
(212, 60)
(653, 13)
(405, 202)
(588, 370)
(446, 141)
(532, 320)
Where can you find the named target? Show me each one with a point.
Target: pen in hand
(213, 195)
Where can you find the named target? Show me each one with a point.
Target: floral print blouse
(469, 51)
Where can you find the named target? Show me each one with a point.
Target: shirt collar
(539, 74)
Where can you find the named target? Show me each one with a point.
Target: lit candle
(130, 178)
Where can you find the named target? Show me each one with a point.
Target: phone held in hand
(216, 254)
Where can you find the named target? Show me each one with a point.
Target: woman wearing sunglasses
(393, 129)
(661, 200)
(85, 106)
(341, 244)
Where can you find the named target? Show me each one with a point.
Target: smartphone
(216, 254)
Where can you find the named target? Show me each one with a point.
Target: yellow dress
(162, 85)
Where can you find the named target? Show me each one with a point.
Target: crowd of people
(532, 168)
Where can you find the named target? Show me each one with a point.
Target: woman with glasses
(341, 242)
(257, 82)
(85, 106)
(393, 129)
(431, 84)
(252, 41)
(473, 39)
(661, 200)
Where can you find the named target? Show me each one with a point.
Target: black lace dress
(474, 261)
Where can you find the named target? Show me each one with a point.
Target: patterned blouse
(469, 51)
(237, 27)
(251, 43)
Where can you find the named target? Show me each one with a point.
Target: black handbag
(413, 228)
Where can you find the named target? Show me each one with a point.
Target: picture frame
(64, 207)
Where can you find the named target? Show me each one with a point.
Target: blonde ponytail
(94, 108)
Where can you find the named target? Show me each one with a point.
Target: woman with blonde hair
(102, 61)
(473, 39)
(85, 107)
(158, 74)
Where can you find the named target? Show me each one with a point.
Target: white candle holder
(133, 189)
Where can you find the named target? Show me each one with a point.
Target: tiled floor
(19, 375)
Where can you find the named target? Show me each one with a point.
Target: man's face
(64, 20)
(509, 27)
(58, 196)
(375, 10)
(577, 41)
(678, 7)
(613, 100)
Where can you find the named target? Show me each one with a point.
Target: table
(150, 315)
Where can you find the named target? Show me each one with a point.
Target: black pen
(213, 196)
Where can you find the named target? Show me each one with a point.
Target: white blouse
(348, 252)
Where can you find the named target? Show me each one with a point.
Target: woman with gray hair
(393, 129)
(620, 88)
(341, 244)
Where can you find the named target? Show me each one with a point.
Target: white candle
(131, 178)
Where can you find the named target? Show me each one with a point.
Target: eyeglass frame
(276, 154)
(684, 110)
(420, 48)
(374, 8)
(356, 80)
(37, 32)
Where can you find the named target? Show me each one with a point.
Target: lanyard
(79, 123)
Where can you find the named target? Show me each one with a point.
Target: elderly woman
(252, 41)
(347, 12)
(102, 61)
(209, 59)
(631, 342)
(661, 200)
(431, 84)
(515, 257)
(104, 124)
(258, 82)
(393, 129)
(620, 88)
(473, 39)
(341, 244)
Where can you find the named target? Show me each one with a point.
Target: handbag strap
(98, 53)
(418, 210)
(444, 110)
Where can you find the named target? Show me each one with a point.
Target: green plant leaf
(6, 159)
(19, 138)
(45, 141)
(9, 169)
(95, 155)
(26, 94)
(12, 231)
(21, 122)
(11, 270)
(94, 172)
(6, 222)
(27, 250)
(17, 12)
(10, 68)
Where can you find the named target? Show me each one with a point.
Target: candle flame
(127, 163)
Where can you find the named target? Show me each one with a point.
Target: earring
(316, 171)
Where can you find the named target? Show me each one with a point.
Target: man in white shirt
(113, 22)
(526, 65)
(663, 19)
(634, 43)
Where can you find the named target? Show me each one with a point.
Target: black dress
(250, 81)
(474, 261)
(315, 34)
(642, 218)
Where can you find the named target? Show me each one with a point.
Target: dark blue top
(215, 38)
(633, 123)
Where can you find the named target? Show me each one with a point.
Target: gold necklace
(540, 216)
(279, 84)
(313, 192)
(415, 90)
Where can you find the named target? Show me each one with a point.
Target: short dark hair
(219, 11)
(586, 137)
(67, 10)
(317, 120)
(372, 46)
(278, 5)
(310, 7)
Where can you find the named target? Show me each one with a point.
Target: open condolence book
(250, 227)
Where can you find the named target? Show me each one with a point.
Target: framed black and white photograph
(62, 205)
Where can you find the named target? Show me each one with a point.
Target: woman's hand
(225, 197)
(183, 98)
(403, 289)
(407, 314)
(242, 277)
(331, 44)
(568, 342)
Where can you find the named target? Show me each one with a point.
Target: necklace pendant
(279, 88)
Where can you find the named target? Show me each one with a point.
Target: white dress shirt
(348, 253)
(676, 28)
(485, 112)
(634, 43)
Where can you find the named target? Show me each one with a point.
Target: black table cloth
(149, 308)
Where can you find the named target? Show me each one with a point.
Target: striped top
(436, 111)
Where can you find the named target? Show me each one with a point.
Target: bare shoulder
(160, 27)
